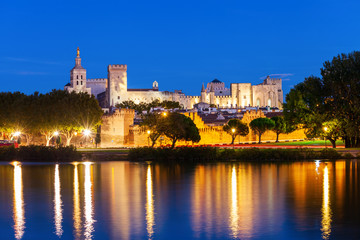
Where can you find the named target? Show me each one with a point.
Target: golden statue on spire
(78, 52)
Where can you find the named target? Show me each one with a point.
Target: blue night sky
(181, 44)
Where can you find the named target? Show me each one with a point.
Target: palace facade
(114, 89)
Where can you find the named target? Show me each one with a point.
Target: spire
(203, 88)
(78, 59)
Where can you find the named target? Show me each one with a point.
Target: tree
(98, 136)
(280, 126)
(335, 96)
(261, 125)
(177, 126)
(332, 131)
(235, 127)
(152, 122)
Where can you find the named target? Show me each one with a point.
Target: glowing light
(326, 210)
(87, 132)
(148, 131)
(164, 113)
(233, 130)
(77, 211)
(234, 217)
(58, 203)
(150, 222)
(19, 212)
(56, 133)
(75, 133)
(88, 208)
(325, 129)
(17, 134)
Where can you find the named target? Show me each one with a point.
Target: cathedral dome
(216, 81)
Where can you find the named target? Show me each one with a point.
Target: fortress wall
(115, 128)
(214, 135)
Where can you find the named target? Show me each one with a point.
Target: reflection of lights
(234, 217)
(58, 203)
(326, 210)
(88, 208)
(77, 211)
(317, 165)
(19, 212)
(149, 204)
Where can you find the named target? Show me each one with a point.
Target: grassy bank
(39, 153)
(208, 154)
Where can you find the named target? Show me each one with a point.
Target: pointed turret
(212, 94)
(203, 94)
(203, 88)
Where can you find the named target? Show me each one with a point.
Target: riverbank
(179, 154)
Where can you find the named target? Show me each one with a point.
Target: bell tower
(78, 76)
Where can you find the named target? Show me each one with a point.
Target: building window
(77, 76)
(269, 102)
(77, 82)
(81, 82)
(119, 97)
(258, 102)
(81, 76)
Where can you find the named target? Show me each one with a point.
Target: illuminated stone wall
(115, 128)
(215, 135)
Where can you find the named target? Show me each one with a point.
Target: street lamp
(164, 114)
(87, 132)
(148, 132)
(233, 131)
(325, 129)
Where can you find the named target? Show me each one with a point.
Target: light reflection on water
(76, 199)
(150, 222)
(18, 204)
(326, 210)
(121, 200)
(58, 217)
(88, 206)
(234, 215)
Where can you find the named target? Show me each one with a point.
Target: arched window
(81, 82)
(77, 82)
(258, 102)
(81, 76)
(77, 76)
(269, 102)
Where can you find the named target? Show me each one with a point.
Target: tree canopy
(175, 126)
(236, 127)
(261, 125)
(332, 100)
(44, 114)
(142, 106)
(280, 126)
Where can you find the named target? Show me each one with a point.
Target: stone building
(114, 89)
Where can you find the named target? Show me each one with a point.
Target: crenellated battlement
(96, 80)
(122, 67)
(119, 113)
(189, 97)
(223, 97)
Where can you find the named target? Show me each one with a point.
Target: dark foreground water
(121, 200)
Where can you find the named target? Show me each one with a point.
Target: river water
(122, 200)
